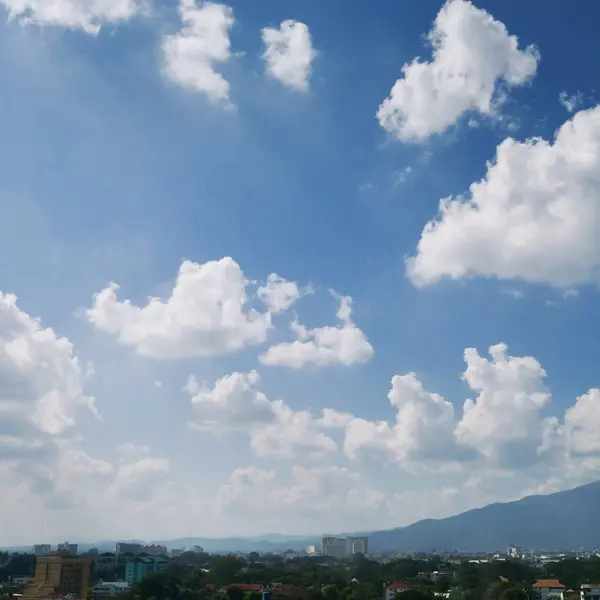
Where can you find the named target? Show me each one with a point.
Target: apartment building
(339, 547)
(59, 573)
(42, 549)
(68, 547)
(140, 567)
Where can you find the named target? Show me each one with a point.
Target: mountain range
(561, 521)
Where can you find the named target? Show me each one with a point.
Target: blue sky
(119, 164)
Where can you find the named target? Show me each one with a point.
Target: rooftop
(548, 583)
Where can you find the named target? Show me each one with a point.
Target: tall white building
(42, 549)
(357, 545)
(68, 547)
(339, 547)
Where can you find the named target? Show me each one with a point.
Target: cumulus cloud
(42, 397)
(192, 54)
(535, 216)
(205, 315)
(235, 403)
(504, 427)
(504, 423)
(278, 294)
(344, 345)
(86, 15)
(582, 425)
(422, 431)
(473, 54)
(289, 54)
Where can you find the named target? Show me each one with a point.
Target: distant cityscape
(65, 574)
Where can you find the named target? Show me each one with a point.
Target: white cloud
(535, 216)
(41, 379)
(571, 103)
(422, 432)
(236, 404)
(205, 315)
(504, 423)
(42, 398)
(345, 345)
(87, 15)
(278, 294)
(289, 54)
(504, 427)
(582, 425)
(139, 480)
(203, 42)
(472, 54)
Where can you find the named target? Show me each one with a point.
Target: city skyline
(295, 267)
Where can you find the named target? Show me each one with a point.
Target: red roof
(284, 587)
(397, 586)
(548, 583)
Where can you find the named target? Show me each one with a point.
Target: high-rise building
(339, 547)
(198, 549)
(129, 548)
(59, 573)
(357, 545)
(334, 546)
(176, 552)
(42, 549)
(67, 547)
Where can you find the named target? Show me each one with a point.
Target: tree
(235, 593)
(224, 569)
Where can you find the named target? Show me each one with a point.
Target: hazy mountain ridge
(561, 521)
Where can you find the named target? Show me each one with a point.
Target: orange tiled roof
(397, 586)
(548, 583)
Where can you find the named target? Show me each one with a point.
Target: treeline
(315, 578)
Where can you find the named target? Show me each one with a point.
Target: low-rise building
(549, 589)
(590, 591)
(393, 589)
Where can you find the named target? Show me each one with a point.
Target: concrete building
(67, 547)
(140, 567)
(42, 549)
(334, 546)
(312, 551)
(198, 549)
(339, 547)
(175, 552)
(139, 549)
(549, 589)
(59, 573)
(393, 589)
(107, 561)
(357, 545)
(129, 548)
(590, 591)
